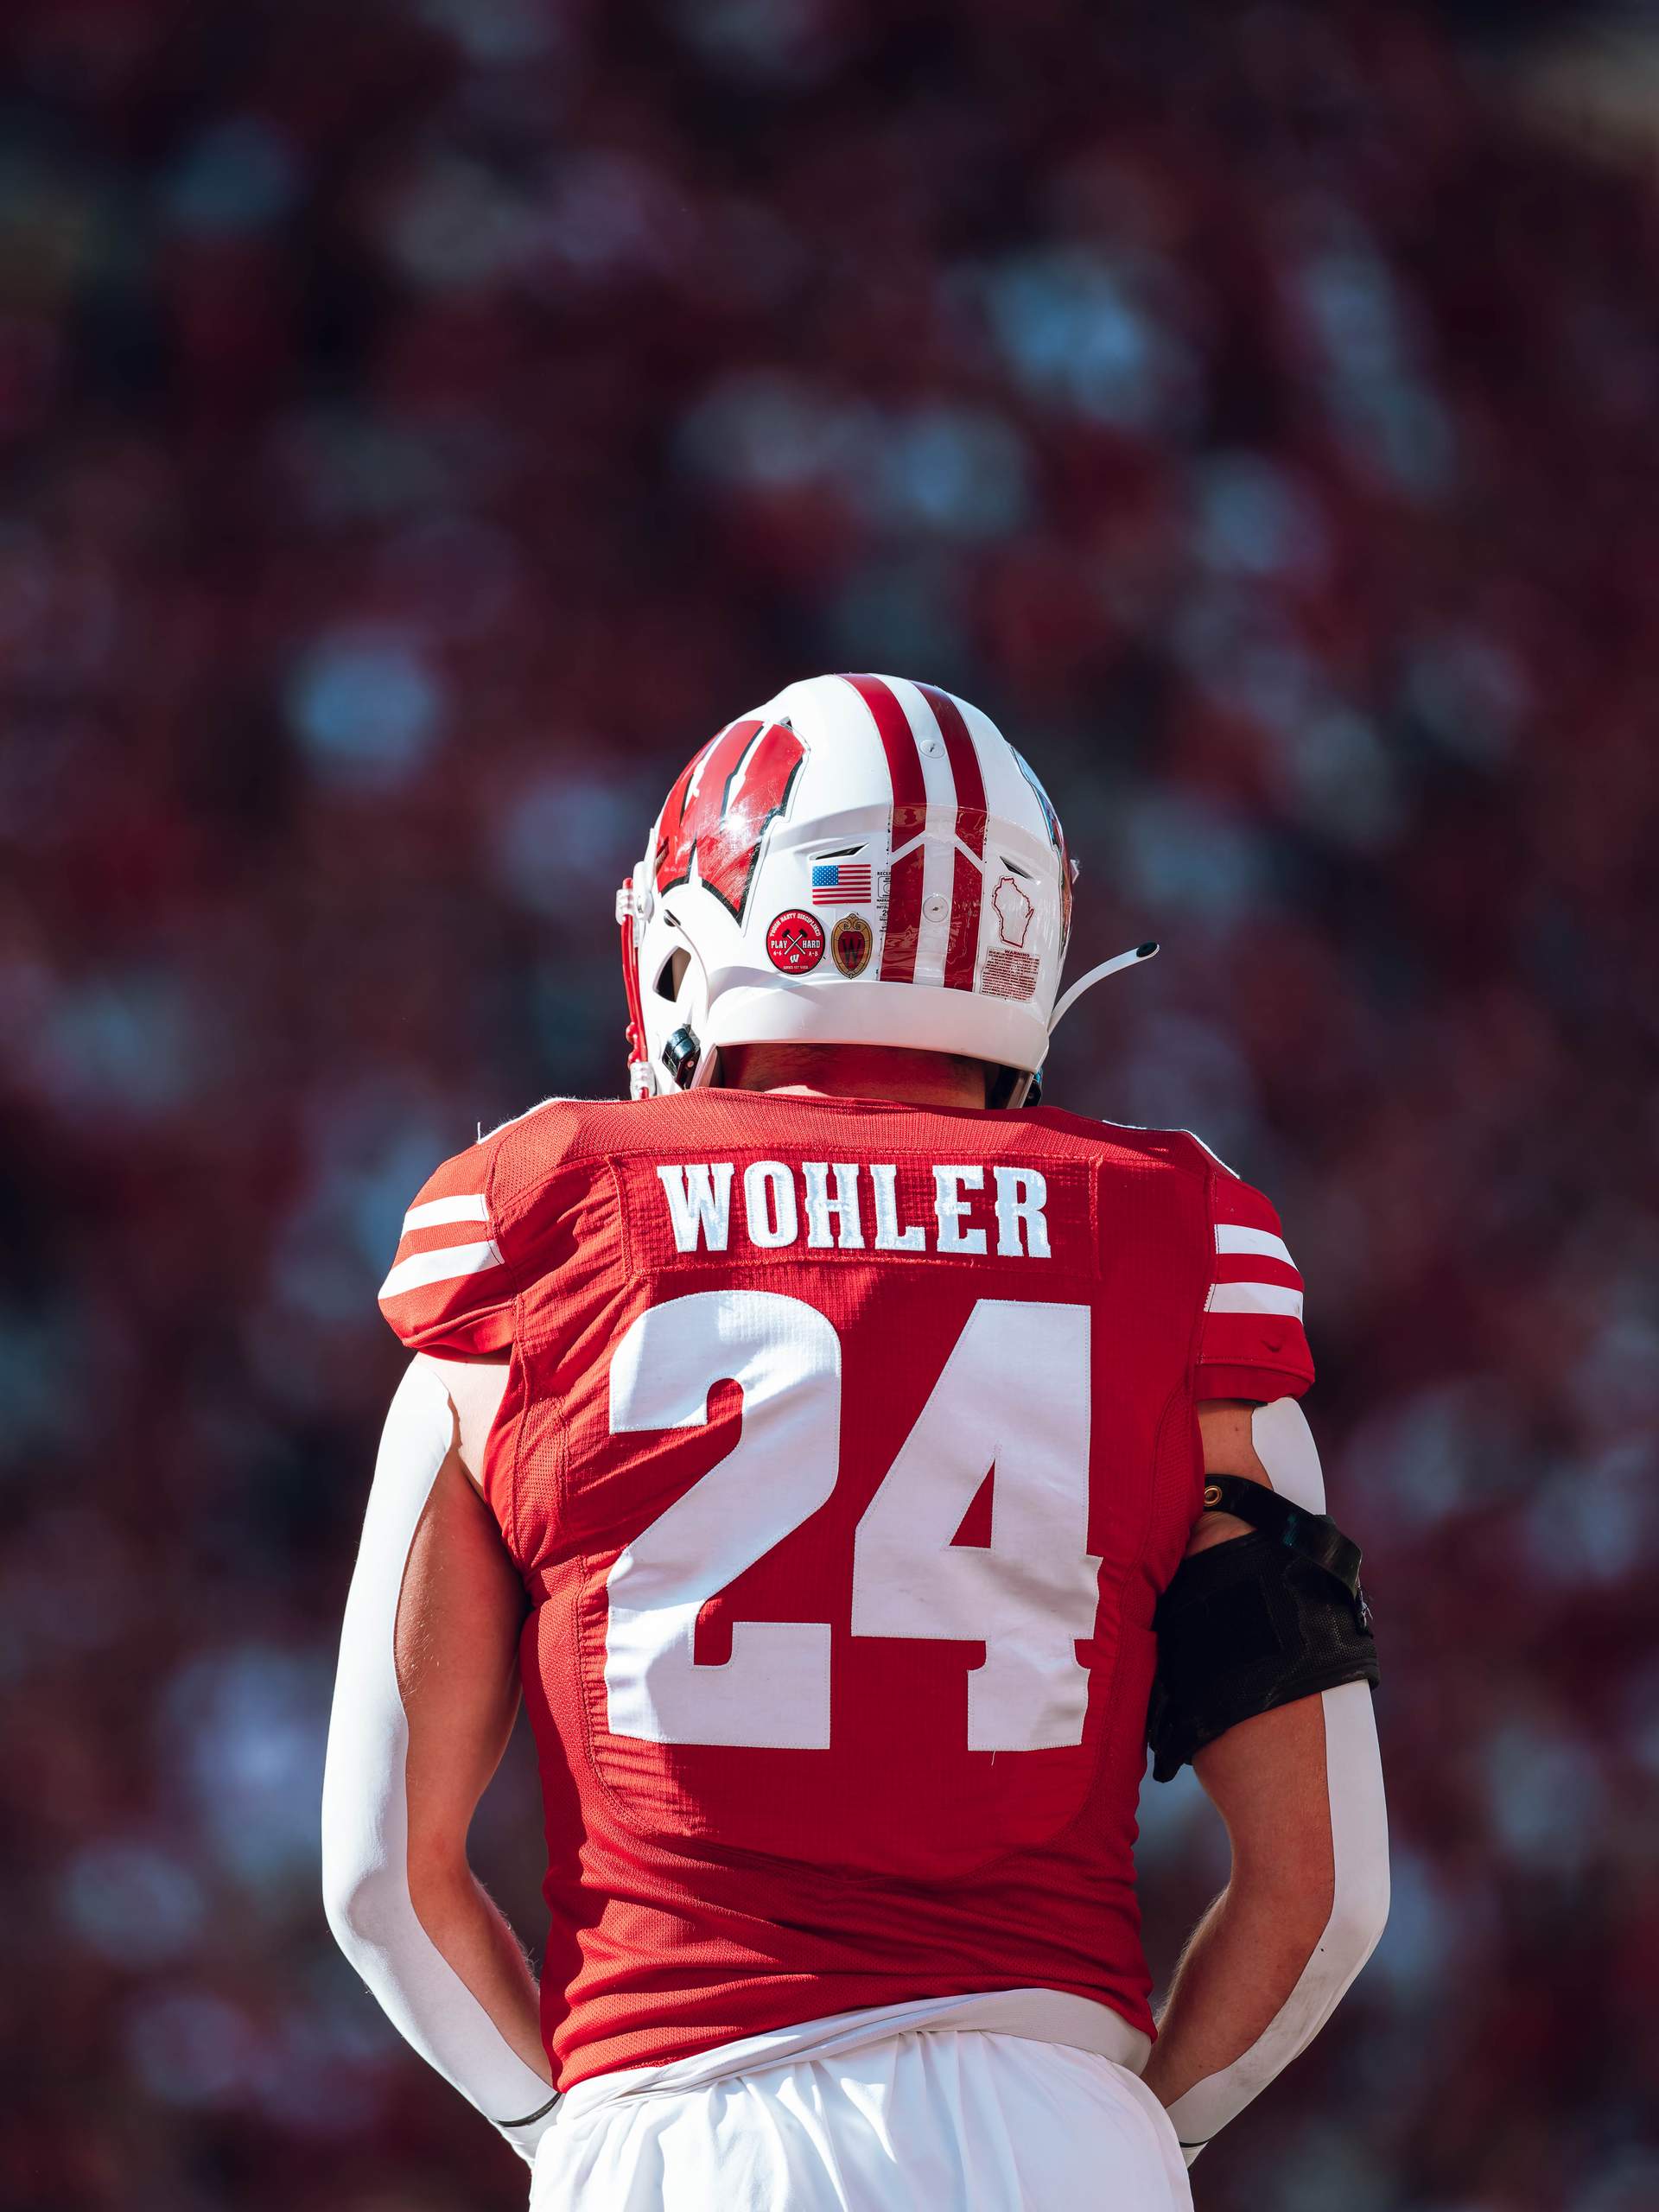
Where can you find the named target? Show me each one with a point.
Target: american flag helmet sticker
(841, 883)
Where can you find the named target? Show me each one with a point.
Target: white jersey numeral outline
(1012, 1401)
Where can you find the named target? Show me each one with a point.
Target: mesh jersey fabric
(790, 1814)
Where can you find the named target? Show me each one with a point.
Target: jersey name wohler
(845, 1451)
(824, 1204)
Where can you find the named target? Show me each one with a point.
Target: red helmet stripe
(968, 885)
(909, 820)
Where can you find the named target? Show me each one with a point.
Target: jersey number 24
(1013, 1393)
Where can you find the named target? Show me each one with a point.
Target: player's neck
(855, 1071)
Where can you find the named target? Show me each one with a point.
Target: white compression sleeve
(365, 1811)
(1359, 1839)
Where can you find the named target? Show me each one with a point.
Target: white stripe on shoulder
(447, 1265)
(435, 1211)
(1233, 1237)
(1253, 1298)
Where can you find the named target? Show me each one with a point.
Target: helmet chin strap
(1097, 975)
(1034, 1081)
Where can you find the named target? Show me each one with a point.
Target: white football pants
(930, 2120)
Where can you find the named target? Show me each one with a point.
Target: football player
(853, 1464)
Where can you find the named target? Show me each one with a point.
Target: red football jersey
(845, 1451)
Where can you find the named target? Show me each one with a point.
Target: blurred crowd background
(421, 425)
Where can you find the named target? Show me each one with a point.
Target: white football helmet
(863, 860)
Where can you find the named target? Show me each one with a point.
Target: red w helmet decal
(719, 809)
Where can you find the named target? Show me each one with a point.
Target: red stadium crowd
(421, 425)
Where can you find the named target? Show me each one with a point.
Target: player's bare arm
(1300, 1790)
(426, 1697)
(459, 1617)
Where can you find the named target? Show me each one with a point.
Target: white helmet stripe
(938, 851)
(967, 884)
(910, 800)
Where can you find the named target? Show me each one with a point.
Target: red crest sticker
(851, 943)
(795, 941)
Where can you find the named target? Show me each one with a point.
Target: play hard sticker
(795, 941)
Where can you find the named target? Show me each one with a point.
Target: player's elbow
(358, 1900)
(1359, 1910)
(347, 1904)
(1339, 1907)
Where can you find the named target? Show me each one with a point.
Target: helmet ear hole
(671, 975)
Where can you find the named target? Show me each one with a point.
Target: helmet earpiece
(680, 1057)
